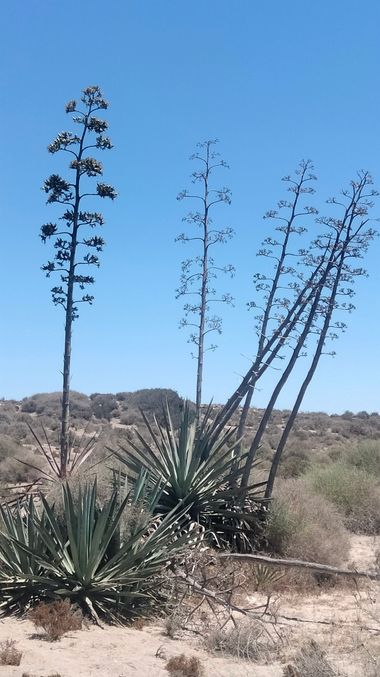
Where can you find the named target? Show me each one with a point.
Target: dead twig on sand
(300, 564)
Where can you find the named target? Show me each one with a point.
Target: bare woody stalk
(68, 242)
(284, 324)
(301, 564)
(279, 386)
(353, 239)
(342, 242)
(199, 271)
(290, 321)
(287, 226)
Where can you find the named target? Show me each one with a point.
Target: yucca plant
(79, 450)
(78, 557)
(20, 539)
(197, 473)
(142, 491)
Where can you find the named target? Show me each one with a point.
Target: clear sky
(274, 81)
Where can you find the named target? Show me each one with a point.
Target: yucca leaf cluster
(84, 556)
(198, 473)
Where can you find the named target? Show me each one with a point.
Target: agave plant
(79, 450)
(198, 473)
(142, 491)
(79, 558)
(20, 538)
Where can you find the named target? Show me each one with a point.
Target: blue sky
(275, 82)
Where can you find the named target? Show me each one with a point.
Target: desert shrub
(294, 464)
(8, 447)
(359, 428)
(150, 399)
(49, 404)
(273, 441)
(56, 618)
(184, 666)
(9, 655)
(335, 454)
(247, 640)
(365, 456)
(305, 526)
(18, 430)
(131, 417)
(265, 452)
(174, 621)
(310, 661)
(5, 418)
(302, 435)
(127, 419)
(12, 471)
(353, 491)
(104, 405)
(152, 402)
(139, 623)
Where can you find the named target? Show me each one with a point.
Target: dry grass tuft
(56, 618)
(139, 623)
(310, 661)
(247, 640)
(184, 666)
(173, 624)
(9, 655)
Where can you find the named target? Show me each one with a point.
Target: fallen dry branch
(336, 624)
(218, 599)
(300, 564)
(263, 612)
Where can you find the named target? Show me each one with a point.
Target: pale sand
(126, 652)
(114, 652)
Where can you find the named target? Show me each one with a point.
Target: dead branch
(210, 594)
(262, 612)
(300, 564)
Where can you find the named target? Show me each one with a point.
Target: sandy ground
(126, 652)
(113, 652)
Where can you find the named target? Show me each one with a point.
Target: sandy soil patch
(338, 618)
(114, 652)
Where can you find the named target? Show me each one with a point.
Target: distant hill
(115, 417)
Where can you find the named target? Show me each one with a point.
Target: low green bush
(13, 472)
(104, 405)
(353, 491)
(13, 460)
(8, 447)
(294, 464)
(152, 401)
(365, 456)
(305, 526)
(50, 405)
